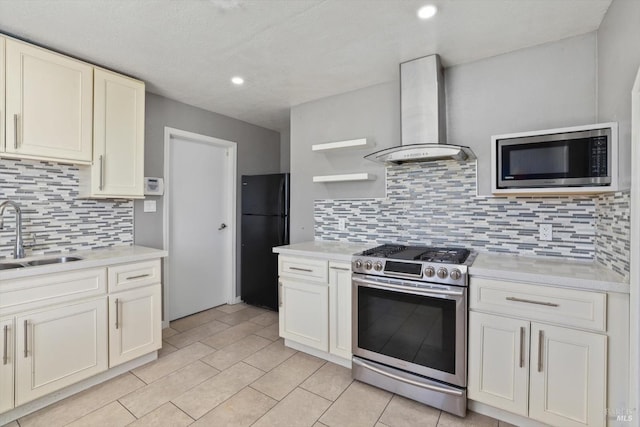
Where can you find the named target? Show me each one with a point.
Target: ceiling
(289, 51)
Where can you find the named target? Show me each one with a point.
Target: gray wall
(285, 150)
(546, 86)
(371, 113)
(618, 62)
(543, 87)
(258, 152)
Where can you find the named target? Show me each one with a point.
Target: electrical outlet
(546, 232)
(342, 224)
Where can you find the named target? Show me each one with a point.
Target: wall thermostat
(153, 186)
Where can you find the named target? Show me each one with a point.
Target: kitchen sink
(57, 260)
(10, 265)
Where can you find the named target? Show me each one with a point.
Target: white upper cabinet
(2, 94)
(49, 105)
(118, 138)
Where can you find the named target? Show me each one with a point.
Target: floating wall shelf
(344, 177)
(352, 143)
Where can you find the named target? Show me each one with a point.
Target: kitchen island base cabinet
(58, 347)
(304, 313)
(134, 326)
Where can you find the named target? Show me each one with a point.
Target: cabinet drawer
(303, 268)
(569, 307)
(37, 291)
(136, 274)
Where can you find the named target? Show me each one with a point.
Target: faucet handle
(30, 241)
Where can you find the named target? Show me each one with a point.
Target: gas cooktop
(423, 263)
(419, 253)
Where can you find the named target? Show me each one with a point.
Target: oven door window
(416, 329)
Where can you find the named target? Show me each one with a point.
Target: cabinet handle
(26, 350)
(15, 131)
(306, 270)
(6, 345)
(139, 276)
(522, 347)
(279, 294)
(117, 313)
(340, 268)
(529, 301)
(540, 352)
(101, 173)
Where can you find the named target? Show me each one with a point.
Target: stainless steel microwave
(582, 156)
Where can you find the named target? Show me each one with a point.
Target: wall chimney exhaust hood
(422, 117)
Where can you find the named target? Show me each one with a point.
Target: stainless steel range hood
(422, 117)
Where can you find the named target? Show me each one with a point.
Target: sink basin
(57, 260)
(9, 265)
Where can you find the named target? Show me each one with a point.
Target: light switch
(149, 205)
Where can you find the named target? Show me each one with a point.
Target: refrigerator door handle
(285, 232)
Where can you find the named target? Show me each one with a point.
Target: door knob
(222, 226)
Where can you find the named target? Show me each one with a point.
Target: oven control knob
(368, 265)
(443, 273)
(377, 266)
(429, 271)
(455, 274)
(357, 263)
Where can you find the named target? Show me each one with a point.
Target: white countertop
(325, 249)
(537, 270)
(90, 259)
(549, 271)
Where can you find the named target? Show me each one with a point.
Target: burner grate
(419, 253)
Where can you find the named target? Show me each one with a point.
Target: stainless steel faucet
(18, 251)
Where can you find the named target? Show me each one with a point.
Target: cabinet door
(118, 136)
(58, 347)
(304, 313)
(135, 324)
(7, 330)
(499, 361)
(568, 376)
(49, 104)
(340, 309)
(2, 95)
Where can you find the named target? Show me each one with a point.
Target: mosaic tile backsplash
(53, 218)
(436, 204)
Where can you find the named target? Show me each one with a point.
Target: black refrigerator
(265, 224)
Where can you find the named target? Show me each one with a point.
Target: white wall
(285, 150)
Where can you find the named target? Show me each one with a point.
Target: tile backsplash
(436, 204)
(53, 217)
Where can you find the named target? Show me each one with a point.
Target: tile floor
(228, 367)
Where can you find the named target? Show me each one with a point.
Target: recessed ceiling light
(237, 80)
(428, 11)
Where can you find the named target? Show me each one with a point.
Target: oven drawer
(315, 270)
(560, 306)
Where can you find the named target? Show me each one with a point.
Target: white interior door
(200, 249)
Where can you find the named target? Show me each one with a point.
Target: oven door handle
(406, 380)
(418, 291)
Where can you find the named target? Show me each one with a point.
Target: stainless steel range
(410, 322)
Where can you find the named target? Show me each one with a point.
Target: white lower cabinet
(59, 346)
(304, 313)
(135, 324)
(7, 326)
(340, 309)
(549, 373)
